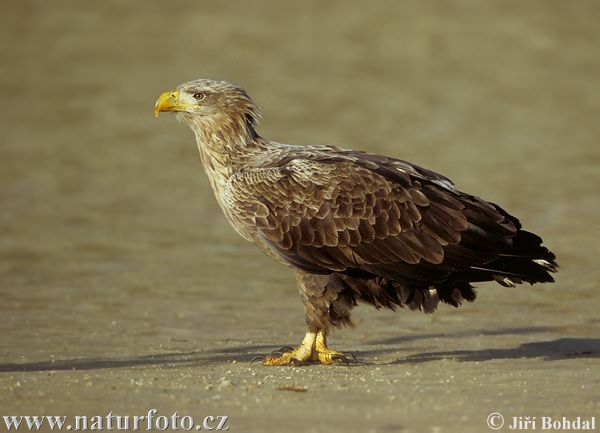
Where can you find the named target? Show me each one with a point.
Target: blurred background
(111, 243)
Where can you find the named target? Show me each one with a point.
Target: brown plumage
(355, 226)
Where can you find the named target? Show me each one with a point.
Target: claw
(274, 354)
(340, 358)
(295, 362)
(282, 351)
(344, 358)
(258, 358)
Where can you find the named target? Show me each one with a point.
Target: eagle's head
(210, 106)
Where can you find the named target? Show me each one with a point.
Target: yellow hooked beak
(169, 101)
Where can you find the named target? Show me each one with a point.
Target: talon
(345, 358)
(282, 351)
(349, 358)
(295, 362)
(258, 358)
(339, 357)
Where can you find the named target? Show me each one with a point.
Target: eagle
(354, 226)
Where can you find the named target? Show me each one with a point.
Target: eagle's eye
(199, 96)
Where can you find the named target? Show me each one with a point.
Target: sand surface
(124, 289)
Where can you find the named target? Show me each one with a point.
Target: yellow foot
(313, 350)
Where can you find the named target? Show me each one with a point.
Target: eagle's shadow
(550, 350)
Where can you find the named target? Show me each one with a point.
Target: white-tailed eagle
(355, 226)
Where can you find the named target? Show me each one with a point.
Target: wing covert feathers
(359, 213)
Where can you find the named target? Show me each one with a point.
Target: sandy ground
(124, 289)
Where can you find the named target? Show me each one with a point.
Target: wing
(359, 212)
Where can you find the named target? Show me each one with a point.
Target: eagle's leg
(327, 303)
(312, 350)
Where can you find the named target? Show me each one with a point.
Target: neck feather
(222, 144)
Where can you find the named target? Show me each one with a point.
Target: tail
(526, 261)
